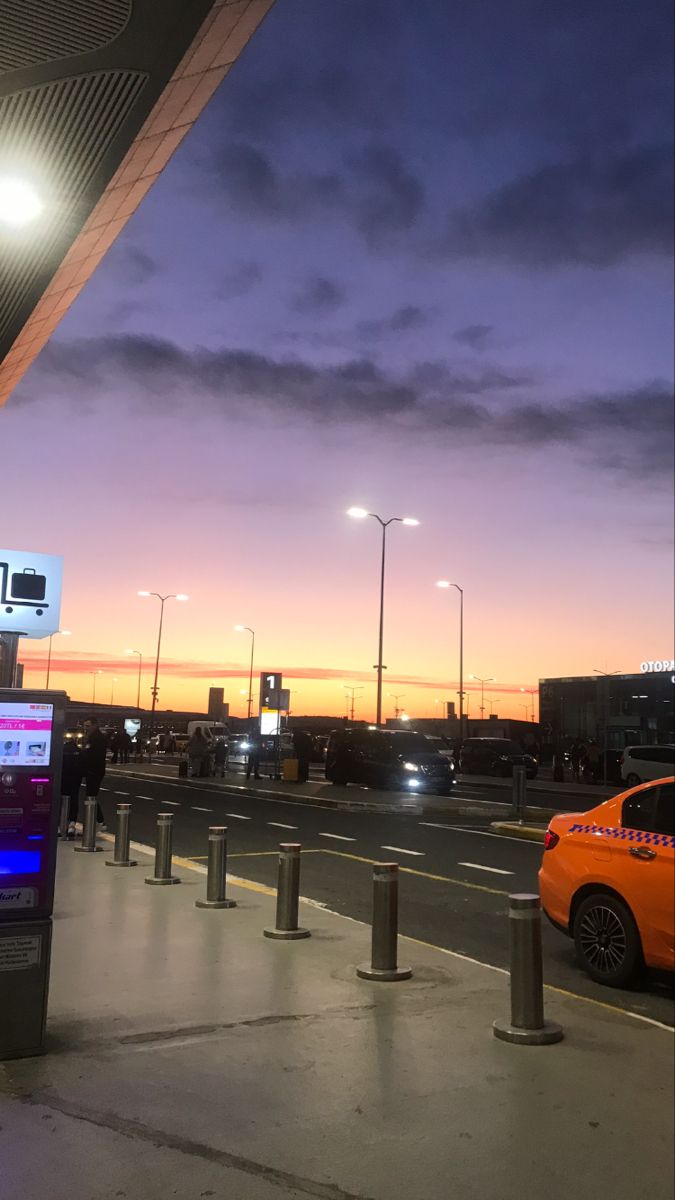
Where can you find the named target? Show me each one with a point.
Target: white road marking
(104, 789)
(279, 825)
(435, 825)
(480, 867)
(195, 808)
(503, 837)
(338, 837)
(152, 798)
(173, 803)
(238, 817)
(401, 850)
(117, 793)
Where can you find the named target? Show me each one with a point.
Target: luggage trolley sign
(29, 753)
(30, 593)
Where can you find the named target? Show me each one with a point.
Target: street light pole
(155, 688)
(95, 674)
(64, 633)
(482, 682)
(140, 671)
(352, 691)
(397, 707)
(247, 629)
(360, 513)
(605, 675)
(444, 583)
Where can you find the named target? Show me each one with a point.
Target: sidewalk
(191, 1057)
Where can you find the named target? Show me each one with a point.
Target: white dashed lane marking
(173, 803)
(338, 837)
(480, 867)
(195, 808)
(402, 850)
(151, 798)
(238, 817)
(279, 825)
(119, 793)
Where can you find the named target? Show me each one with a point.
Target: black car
(388, 758)
(494, 756)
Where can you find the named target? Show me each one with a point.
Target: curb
(529, 833)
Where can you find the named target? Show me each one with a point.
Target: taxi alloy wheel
(606, 939)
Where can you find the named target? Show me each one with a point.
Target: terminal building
(616, 710)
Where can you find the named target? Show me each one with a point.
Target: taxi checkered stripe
(627, 835)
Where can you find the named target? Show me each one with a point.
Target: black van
(494, 756)
(388, 758)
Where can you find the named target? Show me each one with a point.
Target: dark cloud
(319, 297)
(594, 212)
(407, 317)
(475, 336)
(134, 265)
(627, 433)
(390, 198)
(239, 280)
(248, 178)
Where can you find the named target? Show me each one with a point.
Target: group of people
(206, 756)
(586, 760)
(85, 763)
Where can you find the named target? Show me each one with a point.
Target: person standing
(254, 752)
(71, 778)
(303, 746)
(125, 747)
(94, 763)
(197, 752)
(220, 757)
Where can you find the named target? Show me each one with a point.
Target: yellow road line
(252, 854)
(474, 887)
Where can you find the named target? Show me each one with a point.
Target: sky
(415, 257)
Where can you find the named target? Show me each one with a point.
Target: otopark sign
(657, 665)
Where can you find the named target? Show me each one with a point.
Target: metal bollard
(121, 852)
(384, 952)
(89, 830)
(163, 851)
(527, 1025)
(216, 879)
(288, 893)
(63, 819)
(519, 793)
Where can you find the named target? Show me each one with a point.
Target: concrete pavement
(192, 1057)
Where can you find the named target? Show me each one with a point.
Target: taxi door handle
(642, 852)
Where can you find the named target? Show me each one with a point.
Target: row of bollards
(527, 1025)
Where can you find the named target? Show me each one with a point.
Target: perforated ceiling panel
(87, 111)
(36, 31)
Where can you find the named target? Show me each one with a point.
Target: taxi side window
(665, 809)
(639, 811)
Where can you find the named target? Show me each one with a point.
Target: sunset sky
(415, 257)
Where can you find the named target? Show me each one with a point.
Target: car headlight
(410, 766)
(503, 758)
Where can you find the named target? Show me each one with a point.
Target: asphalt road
(455, 874)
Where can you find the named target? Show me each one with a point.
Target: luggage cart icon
(22, 589)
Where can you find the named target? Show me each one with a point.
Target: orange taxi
(607, 879)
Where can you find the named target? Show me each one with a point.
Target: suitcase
(27, 585)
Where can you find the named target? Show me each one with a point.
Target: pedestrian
(303, 746)
(72, 771)
(253, 759)
(220, 757)
(125, 747)
(197, 752)
(576, 750)
(592, 761)
(94, 764)
(115, 747)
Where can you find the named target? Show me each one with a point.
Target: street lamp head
(358, 513)
(19, 202)
(239, 628)
(410, 521)
(181, 596)
(65, 632)
(443, 583)
(144, 593)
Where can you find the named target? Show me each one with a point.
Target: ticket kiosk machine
(31, 741)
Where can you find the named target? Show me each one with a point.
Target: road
(455, 874)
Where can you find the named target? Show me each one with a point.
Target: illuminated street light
(162, 602)
(360, 514)
(19, 202)
(247, 629)
(140, 672)
(482, 682)
(445, 583)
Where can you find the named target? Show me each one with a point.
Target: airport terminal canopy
(95, 96)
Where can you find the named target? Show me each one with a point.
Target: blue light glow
(20, 862)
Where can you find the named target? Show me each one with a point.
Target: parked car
(641, 764)
(388, 758)
(495, 756)
(607, 880)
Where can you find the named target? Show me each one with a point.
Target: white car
(642, 764)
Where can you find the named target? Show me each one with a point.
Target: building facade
(615, 710)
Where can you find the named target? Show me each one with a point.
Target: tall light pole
(247, 629)
(140, 672)
(397, 708)
(445, 583)
(113, 681)
(531, 692)
(605, 675)
(93, 696)
(360, 514)
(482, 682)
(162, 602)
(352, 698)
(63, 633)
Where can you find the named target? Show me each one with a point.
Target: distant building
(616, 710)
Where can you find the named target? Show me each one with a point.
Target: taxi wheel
(607, 940)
